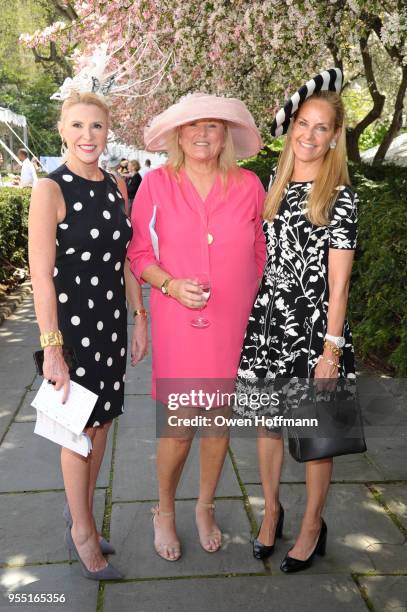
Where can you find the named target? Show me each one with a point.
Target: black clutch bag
(69, 356)
(340, 427)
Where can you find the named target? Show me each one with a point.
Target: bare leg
(213, 449)
(270, 450)
(171, 456)
(96, 458)
(318, 478)
(212, 457)
(76, 474)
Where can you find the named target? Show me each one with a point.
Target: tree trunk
(65, 9)
(353, 134)
(375, 23)
(352, 145)
(396, 122)
(54, 58)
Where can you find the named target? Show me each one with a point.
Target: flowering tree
(257, 50)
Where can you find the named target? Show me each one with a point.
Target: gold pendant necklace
(210, 238)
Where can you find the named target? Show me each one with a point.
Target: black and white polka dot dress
(89, 282)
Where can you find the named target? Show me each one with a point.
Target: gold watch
(53, 338)
(164, 286)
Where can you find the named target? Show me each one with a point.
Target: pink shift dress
(171, 224)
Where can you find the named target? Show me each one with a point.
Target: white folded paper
(64, 423)
(47, 428)
(74, 414)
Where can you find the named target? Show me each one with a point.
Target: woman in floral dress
(297, 327)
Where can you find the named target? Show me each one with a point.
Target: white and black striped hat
(328, 80)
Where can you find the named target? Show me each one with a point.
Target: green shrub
(378, 295)
(14, 205)
(372, 136)
(262, 165)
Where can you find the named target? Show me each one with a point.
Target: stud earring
(64, 148)
(332, 144)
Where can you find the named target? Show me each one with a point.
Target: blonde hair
(84, 98)
(226, 161)
(80, 98)
(333, 171)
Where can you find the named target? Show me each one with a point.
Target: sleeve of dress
(260, 241)
(140, 252)
(343, 228)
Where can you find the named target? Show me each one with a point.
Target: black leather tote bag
(340, 427)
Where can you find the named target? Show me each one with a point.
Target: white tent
(9, 122)
(397, 153)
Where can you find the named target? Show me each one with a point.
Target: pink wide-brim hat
(193, 107)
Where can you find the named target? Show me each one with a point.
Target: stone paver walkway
(366, 562)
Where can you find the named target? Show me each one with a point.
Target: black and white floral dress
(288, 322)
(91, 245)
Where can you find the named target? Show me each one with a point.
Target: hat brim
(328, 80)
(245, 135)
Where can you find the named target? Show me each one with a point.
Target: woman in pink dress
(197, 219)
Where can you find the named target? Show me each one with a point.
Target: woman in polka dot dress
(88, 279)
(78, 236)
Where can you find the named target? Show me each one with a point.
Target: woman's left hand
(139, 340)
(325, 373)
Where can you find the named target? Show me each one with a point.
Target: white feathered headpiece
(94, 77)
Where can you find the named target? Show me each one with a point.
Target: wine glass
(205, 285)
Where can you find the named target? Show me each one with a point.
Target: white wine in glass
(204, 283)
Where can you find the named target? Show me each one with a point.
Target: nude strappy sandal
(160, 548)
(216, 534)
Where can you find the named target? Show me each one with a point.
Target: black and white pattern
(89, 284)
(328, 80)
(288, 322)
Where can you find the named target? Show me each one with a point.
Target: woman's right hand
(56, 370)
(187, 292)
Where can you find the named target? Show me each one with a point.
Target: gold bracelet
(140, 312)
(333, 348)
(53, 338)
(329, 361)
